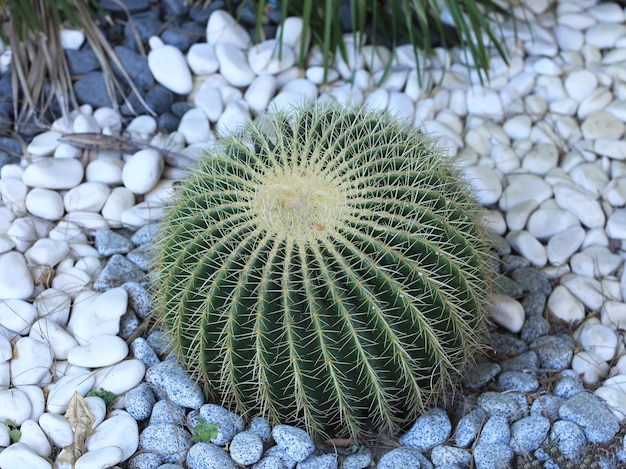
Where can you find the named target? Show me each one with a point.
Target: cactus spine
(324, 267)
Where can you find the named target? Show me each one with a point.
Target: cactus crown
(325, 267)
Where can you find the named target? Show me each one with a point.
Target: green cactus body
(324, 267)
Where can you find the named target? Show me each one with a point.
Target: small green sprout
(204, 431)
(14, 433)
(107, 396)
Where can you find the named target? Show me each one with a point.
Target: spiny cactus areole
(324, 267)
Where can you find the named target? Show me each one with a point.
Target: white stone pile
(541, 142)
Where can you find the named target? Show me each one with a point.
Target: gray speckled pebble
(497, 456)
(270, 462)
(145, 461)
(246, 448)
(534, 327)
(495, 431)
(176, 383)
(208, 456)
(165, 411)
(142, 256)
(319, 461)
(139, 401)
(532, 280)
(524, 361)
(276, 451)
(357, 461)
(518, 381)
(495, 403)
(468, 427)
(138, 298)
(447, 455)
(528, 433)
(166, 440)
(159, 341)
(506, 344)
(547, 405)
(169, 466)
(140, 349)
(588, 411)
(432, 428)
(129, 322)
(261, 427)
(117, 271)
(400, 458)
(534, 304)
(145, 234)
(228, 423)
(553, 352)
(481, 374)
(508, 287)
(108, 242)
(570, 438)
(567, 387)
(296, 442)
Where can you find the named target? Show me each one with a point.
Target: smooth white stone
(23, 233)
(599, 339)
(586, 289)
(142, 214)
(36, 398)
(43, 144)
(16, 281)
(209, 101)
(535, 106)
(169, 68)
(47, 251)
(613, 314)
(602, 124)
(611, 148)
(96, 313)
(494, 220)
(58, 339)
(6, 218)
(201, 59)
(88, 196)
(107, 117)
(270, 57)
(547, 66)
(580, 83)
(316, 75)
(604, 35)
(517, 217)
(578, 20)
(597, 261)
(542, 158)
(260, 92)
(615, 399)
(448, 141)
(354, 58)
(35, 438)
(17, 315)
(121, 377)
(616, 224)
(522, 188)
(568, 39)
(162, 192)
(14, 193)
(143, 171)
(53, 304)
(102, 350)
(618, 109)
(300, 86)
(589, 366)
(60, 393)
(54, 173)
(485, 182)
(105, 170)
(507, 312)
(72, 281)
(292, 29)
(562, 245)
(6, 351)
(119, 200)
(590, 176)
(31, 362)
(614, 192)
(119, 430)
(15, 406)
(69, 232)
(21, 455)
(544, 224)
(452, 121)
(234, 65)
(615, 56)
(235, 115)
(6, 244)
(101, 458)
(607, 12)
(505, 158)
(87, 220)
(57, 429)
(528, 246)
(90, 264)
(564, 306)
(98, 409)
(71, 38)
(85, 123)
(518, 127)
(44, 203)
(223, 29)
(597, 100)
(581, 203)
(484, 101)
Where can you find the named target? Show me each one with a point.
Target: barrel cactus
(324, 267)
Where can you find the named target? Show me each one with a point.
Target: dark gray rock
(132, 6)
(228, 423)
(117, 271)
(495, 431)
(91, 89)
(129, 322)
(480, 374)
(81, 61)
(534, 304)
(493, 456)
(400, 458)
(200, 11)
(522, 362)
(145, 234)
(168, 122)
(174, 7)
(138, 299)
(570, 438)
(135, 65)
(109, 242)
(532, 280)
(547, 405)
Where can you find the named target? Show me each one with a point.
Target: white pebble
(15, 406)
(22, 455)
(234, 65)
(602, 124)
(233, 118)
(31, 363)
(47, 251)
(17, 315)
(599, 339)
(564, 306)
(14, 193)
(120, 377)
(522, 188)
(16, 281)
(604, 35)
(169, 68)
(507, 312)
(119, 430)
(33, 436)
(88, 196)
(485, 183)
(580, 83)
(54, 305)
(613, 314)
(143, 171)
(562, 245)
(45, 203)
(87, 220)
(484, 101)
(102, 350)
(528, 246)
(142, 214)
(95, 313)
(44, 143)
(194, 124)
(57, 429)
(589, 366)
(60, 393)
(209, 100)
(597, 100)
(270, 57)
(581, 203)
(611, 148)
(54, 173)
(72, 281)
(260, 92)
(105, 170)
(616, 224)
(587, 289)
(201, 59)
(55, 336)
(541, 159)
(101, 458)
(119, 200)
(615, 400)
(223, 29)
(545, 223)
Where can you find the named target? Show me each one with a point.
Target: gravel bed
(541, 143)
